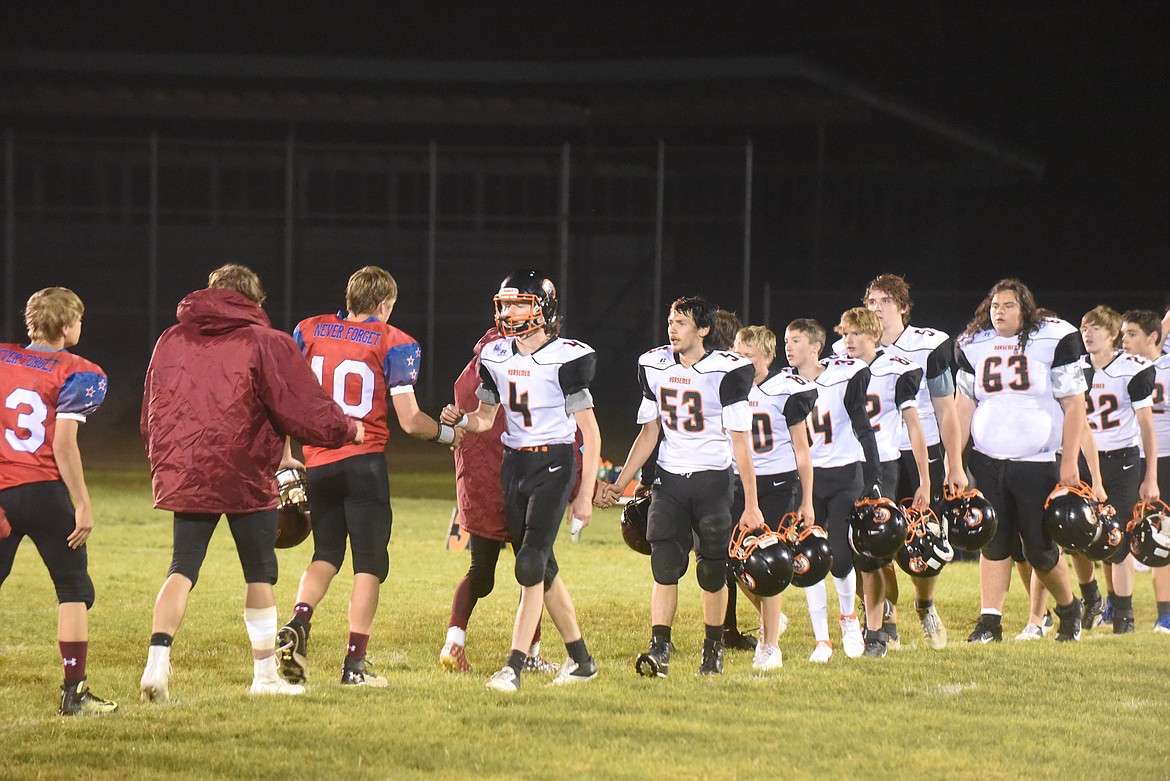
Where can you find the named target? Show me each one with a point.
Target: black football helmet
(295, 520)
(527, 287)
(877, 527)
(812, 558)
(635, 516)
(1070, 516)
(927, 549)
(968, 519)
(1110, 547)
(1149, 534)
(760, 561)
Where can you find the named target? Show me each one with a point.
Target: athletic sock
(577, 651)
(73, 657)
(1163, 609)
(1123, 603)
(456, 635)
(923, 604)
(660, 631)
(516, 662)
(302, 614)
(163, 639)
(357, 646)
(713, 633)
(1090, 591)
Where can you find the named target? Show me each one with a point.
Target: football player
(1142, 335)
(1120, 399)
(780, 402)
(888, 296)
(48, 393)
(1012, 365)
(542, 381)
(845, 461)
(892, 403)
(359, 359)
(698, 398)
(223, 390)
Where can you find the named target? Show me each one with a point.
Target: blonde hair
(863, 320)
(759, 337)
(241, 279)
(810, 328)
(1106, 317)
(49, 311)
(368, 287)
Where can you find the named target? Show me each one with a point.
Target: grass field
(1097, 709)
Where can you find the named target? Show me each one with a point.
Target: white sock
(264, 669)
(261, 623)
(534, 649)
(158, 653)
(991, 611)
(818, 599)
(847, 592)
(456, 635)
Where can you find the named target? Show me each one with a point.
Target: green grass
(1014, 710)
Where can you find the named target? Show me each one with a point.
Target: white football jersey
(1122, 386)
(539, 392)
(694, 405)
(844, 381)
(782, 400)
(932, 351)
(893, 386)
(1161, 398)
(1016, 417)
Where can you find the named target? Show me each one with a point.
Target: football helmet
(760, 561)
(1149, 534)
(927, 549)
(812, 558)
(526, 287)
(1070, 516)
(1110, 547)
(295, 520)
(877, 527)
(968, 519)
(635, 516)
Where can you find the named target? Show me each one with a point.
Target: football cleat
(155, 683)
(1031, 632)
(851, 638)
(712, 662)
(1048, 622)
(357, 672)
(985, 632)
(275, 685)
(875, 643)
(76, 699)
(505, 680)
(1094, 607)
(822, 653)
(1106, 615)
(292, 652)
(736, 641)
(571, 672)
(655, 662)
(1069, 627)
(768, 657)
(454, 658)
(1162, 625)
(932, 627)
(1122, 622)
(538, 664)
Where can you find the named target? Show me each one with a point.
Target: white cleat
(275, 686)
(851, 638)
(505, 680)
(768, 657)
(932, 627)
(154, 685)
(1031, 632)
(822, 653)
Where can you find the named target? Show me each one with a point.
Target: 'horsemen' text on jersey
(358, 363)
(1016, 417)
(841, 388)
(893, 386)
(1116, 392)
(38, 387)
(540, 392)
(781, 401)
(694, 405)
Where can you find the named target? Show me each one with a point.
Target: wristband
(445, 436)
(462, 421)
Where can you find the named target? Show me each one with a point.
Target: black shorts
(1017, 490)
(254, 535)
(835, 489)
(908, 472)
(537, 484)
(777, 496)
(44, 513)
(692, 510)
(351, 498)
(1121, 475)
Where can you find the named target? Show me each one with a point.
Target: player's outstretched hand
(607, 495)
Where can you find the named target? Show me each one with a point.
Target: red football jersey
(37, 387)
(358, 364)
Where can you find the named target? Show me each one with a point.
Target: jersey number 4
(691, 400)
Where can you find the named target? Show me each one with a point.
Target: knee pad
(1043, 560)
(376, 563)
(77, 589)
(530, 565)
(668, 562)
(711, 574)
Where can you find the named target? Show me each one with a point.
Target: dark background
(1072, 94)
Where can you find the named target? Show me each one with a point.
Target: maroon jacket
(222, 391)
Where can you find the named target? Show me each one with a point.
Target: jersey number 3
(993, 376)
(691, 400)
(32, 421)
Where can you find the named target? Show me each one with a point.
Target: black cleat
(357, 672)
(739, 642)
(1093, 609)
(655, 663)
(1069, 622)
(292, 652)
(876, 641)
(77, 699)
(712, 663)
(1122, 621)
(985, 632)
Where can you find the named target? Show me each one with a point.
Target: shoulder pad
(561, 351)
(920, 338)
(496, 352)
(658, 358)
(719, 361)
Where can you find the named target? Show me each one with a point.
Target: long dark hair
(1030, 317)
